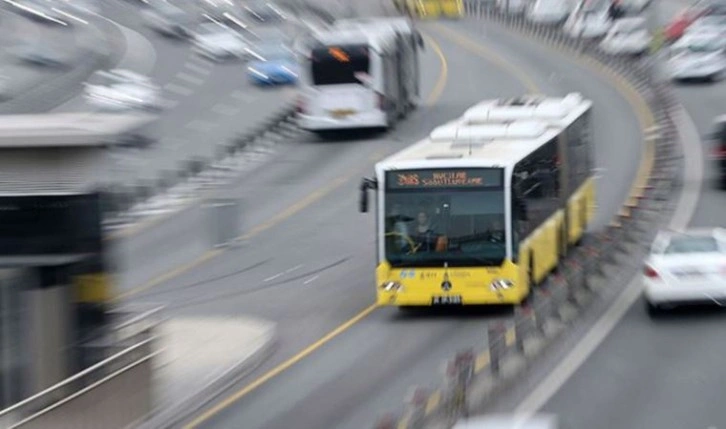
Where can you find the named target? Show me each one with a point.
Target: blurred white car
(218, 42)
(635, 6)
(708, 24)
(549, 11)
(509, 421)
(628, 36)
(686, 267)
(41, 53)
(121, 89)
(264, 11)
(588, 20)
(45, 11)
(697, 56)
(169, 20)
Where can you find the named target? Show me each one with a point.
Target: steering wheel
(413, 247)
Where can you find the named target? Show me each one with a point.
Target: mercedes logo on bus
(446, 285)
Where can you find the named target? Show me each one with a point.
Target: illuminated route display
(445, 178)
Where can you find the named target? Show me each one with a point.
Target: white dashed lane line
(196, 68)
(244, 97)
(178, 89)
(170, 104)
(190, 79)
(223, 109)
(200, 125)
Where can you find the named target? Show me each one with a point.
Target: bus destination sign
(448, 178)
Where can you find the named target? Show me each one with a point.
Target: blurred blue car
(272, 64)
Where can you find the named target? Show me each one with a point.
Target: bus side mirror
(365, 185)
(420, 40)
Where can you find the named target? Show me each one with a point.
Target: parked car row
(591, 19)
(678, 26)
(697, 47)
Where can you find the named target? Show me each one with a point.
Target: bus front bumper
(359, 120)
(469, 297)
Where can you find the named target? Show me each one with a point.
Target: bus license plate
(446, 300)
(341, 113)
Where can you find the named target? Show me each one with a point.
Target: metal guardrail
(130, 340)
(25, 410)
(142, 322)
(599, 262)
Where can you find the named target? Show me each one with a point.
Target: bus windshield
(456, 224)
(337, 65)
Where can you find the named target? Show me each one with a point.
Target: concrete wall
(49, 333)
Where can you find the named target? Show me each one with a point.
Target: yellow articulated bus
(486, 206)
(431, 9)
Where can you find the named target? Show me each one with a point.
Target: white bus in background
(412, 43)
(359, 77)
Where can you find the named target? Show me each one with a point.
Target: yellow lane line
(435, 93)
(490, 55)
(433, 402)
(279, 369)
(433, 98)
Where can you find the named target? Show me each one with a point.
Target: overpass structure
(55, 276)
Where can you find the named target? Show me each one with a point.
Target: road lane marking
(196, 68)
(228, 401)
(685, 208)
(243, 96)
(489, 55)
(293, 269)
(309, 200)
(310, 280)
(200, 125)
(170, 104)
(189, 78)
(440, 85)
(280, 368)
(178, 89)
(223, 109)
(687, 202)
(271, 278)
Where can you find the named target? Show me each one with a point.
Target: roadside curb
(171, 415)
(476, 377)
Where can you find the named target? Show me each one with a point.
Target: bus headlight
(500, 284)
(392, 286)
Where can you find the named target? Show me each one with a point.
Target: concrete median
(200, 359)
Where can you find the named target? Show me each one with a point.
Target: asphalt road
(71, 43)
(310, 269)
(205, 103)
(665, 373)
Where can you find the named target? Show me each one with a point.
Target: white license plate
(446, 300)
